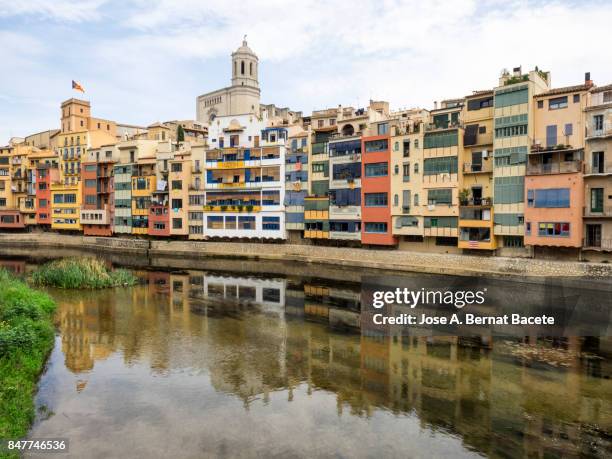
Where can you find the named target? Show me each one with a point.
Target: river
(242, 360)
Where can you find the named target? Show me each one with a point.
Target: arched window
(235, 67)
(251, 69)
(396, 200)
(242, 67)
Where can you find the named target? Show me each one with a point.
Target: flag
(77, 87)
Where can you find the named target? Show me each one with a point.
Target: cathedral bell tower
(245, 67)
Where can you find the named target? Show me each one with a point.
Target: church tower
(245, 66)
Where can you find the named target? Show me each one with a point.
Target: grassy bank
(81, 272)
(26, 338)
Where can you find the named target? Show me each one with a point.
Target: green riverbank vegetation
(83, 272)
(26, 338)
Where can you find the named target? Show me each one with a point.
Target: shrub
(80, 273)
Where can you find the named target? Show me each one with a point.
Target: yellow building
(476, 189)
(66, 206)
(144, 184)
(407, 131)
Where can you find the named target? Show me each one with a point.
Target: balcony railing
(598, 212)
(602, 244)
(562, 167)
(599, 169)
(561, 143)
(482, 202)
(482, 168)
(597, 133)
(442, 126)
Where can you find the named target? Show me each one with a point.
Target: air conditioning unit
(485, 154)
(431, 207)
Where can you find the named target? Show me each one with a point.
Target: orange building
(554, 186)
(376, 216)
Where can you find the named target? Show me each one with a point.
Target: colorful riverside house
(180, 181)
(554, 186)
(97, 177)
(46, 167)
(476, 193)
(598, 175)
(442, 158)
(245, 180)
(159, 212)
(376, 186)
(316, 204)
(345, 153)
(296, 183)
(407, 132)
(144, 183)
(10, 217)
(196, 193)
(66, 206)
(513, 130)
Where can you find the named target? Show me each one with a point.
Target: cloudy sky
(146, 60)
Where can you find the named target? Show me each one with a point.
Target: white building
(244, 180)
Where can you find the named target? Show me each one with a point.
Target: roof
(157, 124)
(484, 92)
(564, 90)
(607, 87)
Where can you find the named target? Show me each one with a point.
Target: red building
(46, 174)
(376, 227)
(96, 211)
(159, 214)
(11, 219)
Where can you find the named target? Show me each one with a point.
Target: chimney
(517, 71)
(435, 104)
(587, 79)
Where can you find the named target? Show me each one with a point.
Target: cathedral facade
(241, 98)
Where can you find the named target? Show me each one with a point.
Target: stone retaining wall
(383, 259)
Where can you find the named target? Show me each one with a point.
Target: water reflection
(273, 342)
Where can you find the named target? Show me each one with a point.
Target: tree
(180, 134)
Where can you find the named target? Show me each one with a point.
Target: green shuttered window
(509, 190)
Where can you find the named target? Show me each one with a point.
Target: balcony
(432, 127)
(476, 202)
(542, 145)
(482, 168)
(600, 169)
(598, 133)
(561, 167)
(598, 244)
(598, 213)
(232, 208)
(345, 235)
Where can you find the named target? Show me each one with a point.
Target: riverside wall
(393, 260)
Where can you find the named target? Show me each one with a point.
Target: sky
(143, 61)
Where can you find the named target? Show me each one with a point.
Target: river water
(242, 360)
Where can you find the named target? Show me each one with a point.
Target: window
(246, 223)
(540, 104)
(177, 223)
(598, 122)
(90, 168)
(509, 190)
(159, 226)
(441, 165)
(42, 203)
(440, 222)
(373, 146)
(576, 98)
(440, 139)
(396, 199)
(395, 146)
(320, 123)
(513, 241)
(557, 103)
(406, 172)
(332, 121)
(383, 128)
(177, 184)
(597, 198)
(554, 229)
(176, 167)
(482, 129)
(530, 199)
(440, 196)
(376, 170)
(551, 198)
(569, 129)
(416, 199)
(177, 203)
(406, 148)
(90, 183)
(375, 227)
(375, 199)
(416, 168)
(42, 186)
(230, 222)
(90, 199)
(214, 222)
(528, 228)
(319, 167)
(270, 223)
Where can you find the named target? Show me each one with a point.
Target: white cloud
(63, 10)
(148, 60)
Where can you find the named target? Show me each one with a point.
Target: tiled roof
(564, 90)
(607, 87)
